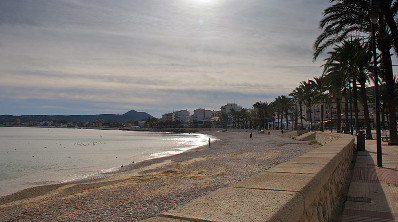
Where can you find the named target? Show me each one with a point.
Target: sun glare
(205, 2)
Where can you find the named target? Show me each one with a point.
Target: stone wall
(322, 137)
(324, 200)
(303, 189)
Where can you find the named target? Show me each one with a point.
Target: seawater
(39, 156)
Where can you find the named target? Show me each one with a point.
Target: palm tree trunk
(287, 119)
(383, 118)
(391, 110)
(331, 116)
(322, 117)
(279, 120)
(295, 117)
(273, 125)
(346, 122)
(338, 107)
(364, 96)
(310, 115)
(355, 95)
(389, 19)
(301, 114)
(389, 79)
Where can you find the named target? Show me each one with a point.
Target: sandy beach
(145, 189)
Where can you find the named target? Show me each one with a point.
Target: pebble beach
(148, 188)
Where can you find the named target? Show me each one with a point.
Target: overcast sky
(101, 56)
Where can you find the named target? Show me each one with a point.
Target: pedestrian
(251, 135)
(209, 142)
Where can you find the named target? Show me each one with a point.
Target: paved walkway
(373, 192)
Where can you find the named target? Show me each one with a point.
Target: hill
(131, 115)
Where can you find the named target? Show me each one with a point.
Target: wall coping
(286, 192)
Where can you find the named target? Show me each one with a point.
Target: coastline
(41, 152)
(171, 130)
(159, 184)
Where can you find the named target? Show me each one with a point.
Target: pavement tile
(373, 192)
(367, 197)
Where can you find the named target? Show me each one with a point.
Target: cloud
(154, 55)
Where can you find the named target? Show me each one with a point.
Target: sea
(39, 156)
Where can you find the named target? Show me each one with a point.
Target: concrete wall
(303, 189)
(322, 137)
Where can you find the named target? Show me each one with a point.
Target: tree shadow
(366, 198)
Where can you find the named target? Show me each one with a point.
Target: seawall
(303, 189)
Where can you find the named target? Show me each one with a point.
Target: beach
(148, 188)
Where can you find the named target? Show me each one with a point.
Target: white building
(202, 114)
(183, 116)
(227, 108)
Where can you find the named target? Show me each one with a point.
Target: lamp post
(374, 18)
(351, 125)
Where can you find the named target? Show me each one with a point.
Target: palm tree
(348, 18)
(277, 108)
(224, 120)
(297, 96)
(286, 105)
(244, 117)
(334, 80)
(309, 93)
(234, 116)
(321, 96)
(388, 9)
(354, 59)
(262, 113)
(362, 60)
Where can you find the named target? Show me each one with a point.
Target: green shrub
(314, 142)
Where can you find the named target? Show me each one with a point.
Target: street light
(374, 18)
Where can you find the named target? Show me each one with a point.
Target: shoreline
(165, 130)
(159, 184)
(34, 191)
(100, 172)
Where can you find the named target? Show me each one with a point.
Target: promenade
(373, 192)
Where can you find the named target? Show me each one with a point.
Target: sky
(157, 56)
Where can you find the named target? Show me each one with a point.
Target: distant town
(132, 119)
(262, 115)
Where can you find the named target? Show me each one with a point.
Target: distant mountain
(131, 115)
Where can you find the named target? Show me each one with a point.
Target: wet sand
(145, 189)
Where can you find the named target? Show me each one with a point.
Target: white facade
(202, 114)
(183, 116)
(227, 108)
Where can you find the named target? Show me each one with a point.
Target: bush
(314, 142)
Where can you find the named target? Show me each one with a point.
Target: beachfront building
(230, 106)
(168, 117)
(202, 114)
(203, 117)
(228, 117)
(183, 116)
(215, 114)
